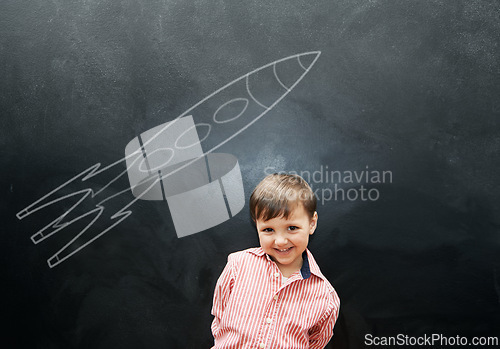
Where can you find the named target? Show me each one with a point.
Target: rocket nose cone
(307, 59)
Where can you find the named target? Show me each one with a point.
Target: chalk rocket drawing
(167, 162)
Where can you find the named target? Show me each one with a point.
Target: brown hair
(277, 194)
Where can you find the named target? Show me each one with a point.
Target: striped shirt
(253, 308)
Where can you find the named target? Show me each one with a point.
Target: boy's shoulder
(251, 257)
(245, 254)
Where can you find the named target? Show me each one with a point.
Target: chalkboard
(389, 109)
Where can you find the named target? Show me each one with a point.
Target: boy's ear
(314, 223)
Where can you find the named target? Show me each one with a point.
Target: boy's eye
(293, 227)
(267, 230)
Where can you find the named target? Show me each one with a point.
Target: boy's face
(284, 240)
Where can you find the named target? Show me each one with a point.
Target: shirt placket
(268, 320)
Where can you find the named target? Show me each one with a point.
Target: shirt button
(268, 320)
(275, 297)
(276, 274)
(262, 345)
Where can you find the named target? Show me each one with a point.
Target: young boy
(275, 296)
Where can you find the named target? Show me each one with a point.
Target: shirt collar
(309, 265)
(304, 270)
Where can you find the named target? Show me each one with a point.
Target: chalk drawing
(167, 163)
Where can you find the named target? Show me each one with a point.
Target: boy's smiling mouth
(285, 250)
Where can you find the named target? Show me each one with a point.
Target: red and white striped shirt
(253, 309)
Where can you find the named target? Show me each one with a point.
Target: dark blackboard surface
(405, 87)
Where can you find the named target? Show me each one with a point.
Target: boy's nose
(281, 241)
